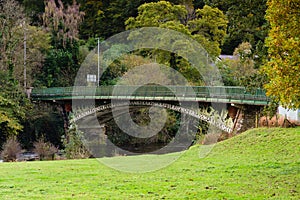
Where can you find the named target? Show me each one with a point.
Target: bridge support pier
(65, 109)
(246, 117)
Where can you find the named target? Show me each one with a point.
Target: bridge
(93, 106)
(234, 99)
(219, 94)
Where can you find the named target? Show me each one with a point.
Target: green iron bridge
(219, 94)
(242, 106)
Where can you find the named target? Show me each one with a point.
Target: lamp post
(98, 74)
(25, 57)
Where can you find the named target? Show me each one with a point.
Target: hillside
(258, 164)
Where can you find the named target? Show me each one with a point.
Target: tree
(62, 61)
(13, 105)
(106, 18)
(148, 73)
(120, 67)
(73, 142)
(246, 23)
(61, 22)
(9, 122)
(11, 20)
(43, 120)
(240, 67)
(60, 67)
(37, 45)
(34, 9)
(207, 26)
(92, 22)
(13, 102)
(16, 35)
(283, 66)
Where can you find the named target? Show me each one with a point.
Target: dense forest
(43, 44)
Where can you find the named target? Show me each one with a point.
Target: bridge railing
(151, 91)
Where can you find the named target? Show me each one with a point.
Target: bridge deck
(220, 94)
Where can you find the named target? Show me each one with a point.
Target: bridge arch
(196, 114)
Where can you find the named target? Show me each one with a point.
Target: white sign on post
(91, 78)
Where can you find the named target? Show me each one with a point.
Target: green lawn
(258, 164)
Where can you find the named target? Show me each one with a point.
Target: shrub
(11, 149)
(45, 150)
(74, 147)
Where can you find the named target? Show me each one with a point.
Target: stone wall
(248, 117)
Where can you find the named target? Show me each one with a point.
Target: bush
(45, 150)
(11, 149)
(74, 147)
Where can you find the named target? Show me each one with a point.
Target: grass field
(258, 164)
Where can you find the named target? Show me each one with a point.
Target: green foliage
(106, 18)
(37, 45)
(13, 105)
(60, 67)
(271, 109)
(211, 23)
(243, 64)
(16, 36)
(73, 142)
(10, 125)
(11, 17)
(16, 29)
(92, 20)
(141, 118)
(147, 73)
(62, 60)
(241, 70)
(283, 66)
(154, 14)
(13, 102)
(207, 26)
(42, 121)
(34, 9)
(226, 72)
(246, 22)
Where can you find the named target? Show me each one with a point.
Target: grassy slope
(259, 164)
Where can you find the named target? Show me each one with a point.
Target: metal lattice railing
(154, 92)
